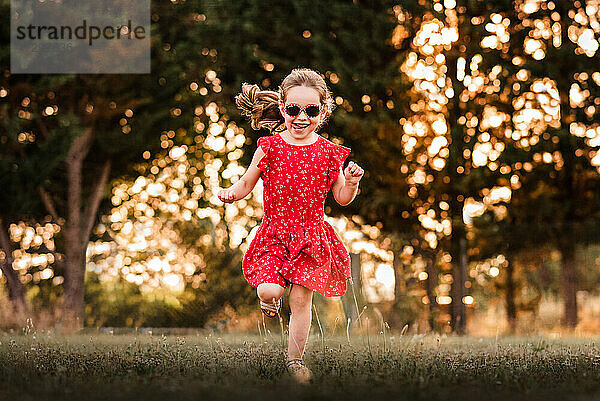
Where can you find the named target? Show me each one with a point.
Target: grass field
(41, 366)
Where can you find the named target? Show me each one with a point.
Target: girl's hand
(353, 174)
(226, 195)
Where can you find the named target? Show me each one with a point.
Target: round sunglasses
(311, 110)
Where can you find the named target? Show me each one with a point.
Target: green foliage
(224, 289)
(119, 303)
(26, 168)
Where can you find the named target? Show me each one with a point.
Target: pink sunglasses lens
(312, 111)
(292, 110)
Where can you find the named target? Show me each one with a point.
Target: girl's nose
(302, 116)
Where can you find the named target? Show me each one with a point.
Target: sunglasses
(311, 110)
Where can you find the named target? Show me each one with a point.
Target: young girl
(294, 246)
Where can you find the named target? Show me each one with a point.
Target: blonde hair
(262, 106)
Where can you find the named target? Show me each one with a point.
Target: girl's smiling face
(301, 126)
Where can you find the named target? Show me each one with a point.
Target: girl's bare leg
(267, 292)
(300, 305)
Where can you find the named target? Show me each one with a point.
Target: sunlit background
(166, 225)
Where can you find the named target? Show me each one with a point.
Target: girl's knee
(300, 298)
(267, 291)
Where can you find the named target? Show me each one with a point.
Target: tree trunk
(352, 301)
(78, 228)
(566, 235)
(456, 167)
(432, 282)
(459, 251)
(569, 282)
(511, 309)
(396, 320)
(16, 290)
(399, 283)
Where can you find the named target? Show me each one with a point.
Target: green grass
(118, 367)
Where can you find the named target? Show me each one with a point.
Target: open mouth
(300, 126)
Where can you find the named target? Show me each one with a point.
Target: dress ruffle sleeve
(265, 144)
(339, 153)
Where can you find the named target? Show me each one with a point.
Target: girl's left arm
(345, 187)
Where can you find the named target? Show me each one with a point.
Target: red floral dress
(294, 244)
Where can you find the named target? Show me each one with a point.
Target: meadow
(46, 366)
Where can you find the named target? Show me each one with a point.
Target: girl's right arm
(246, 183)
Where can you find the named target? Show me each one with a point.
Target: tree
(570, 62)
(66, 136)
(450, 156)
(550, 126)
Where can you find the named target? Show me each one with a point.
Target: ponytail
(261, 106)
